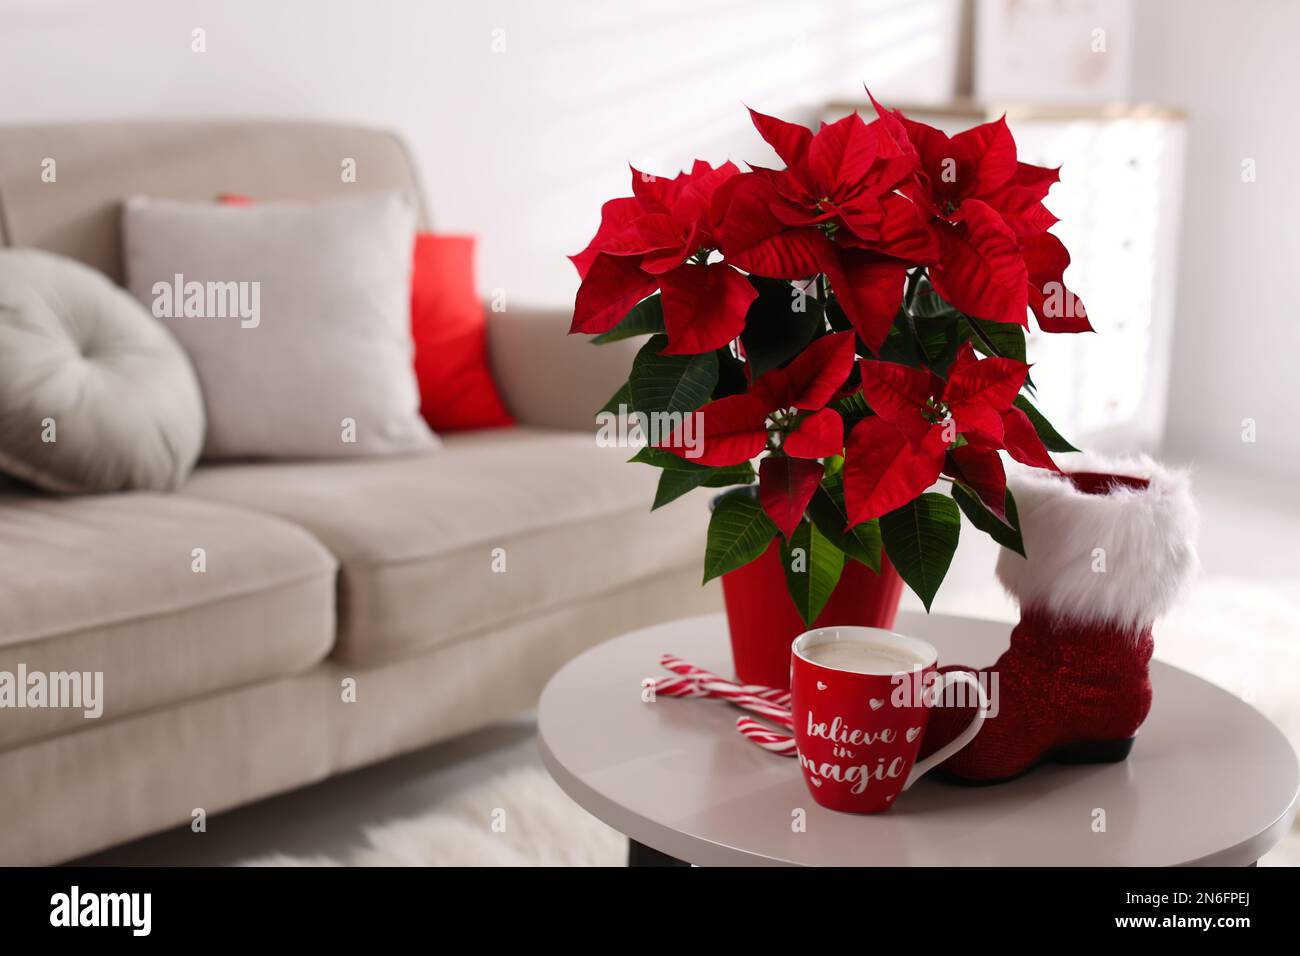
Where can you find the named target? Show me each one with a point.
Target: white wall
(518, 145)
(1234, 67)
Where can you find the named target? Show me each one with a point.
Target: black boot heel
(1100, 751)
(1093, 751)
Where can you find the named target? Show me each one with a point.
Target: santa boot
(1107, 550)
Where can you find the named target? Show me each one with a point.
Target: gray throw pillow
(297, 317)
(95, 395)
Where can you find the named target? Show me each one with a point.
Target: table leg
(638, 854)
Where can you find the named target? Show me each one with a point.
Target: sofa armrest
(548, 377)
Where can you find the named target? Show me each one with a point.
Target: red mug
(860, 699)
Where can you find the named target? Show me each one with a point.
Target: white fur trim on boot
(1119, 558)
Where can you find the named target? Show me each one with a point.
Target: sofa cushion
(168, 597)
(297, 317)
(448, 326)
(417, 538)
(94, 394)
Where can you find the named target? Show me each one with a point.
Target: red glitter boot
(1108, 551)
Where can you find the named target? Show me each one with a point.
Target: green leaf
(938, 339)
(991, 338)
(657, 458)
(983, 519)
(739, 532)
(900, 344)
(930, 304)
(922, 340)
(725, 477)
(674, 483)
(920, 539)
(852, 408)
(1050, 437)
(862, 541)
(646, 318)
(996, 338)
(1004, 339)
(622, 397)
(671, 383)
(812, 569)
(780, 322)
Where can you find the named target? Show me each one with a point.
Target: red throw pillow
(449, 330)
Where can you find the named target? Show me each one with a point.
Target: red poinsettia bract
(647, 241)
(857, 202)
(996, 255)
(899, 452)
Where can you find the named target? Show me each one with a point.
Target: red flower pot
(763, 620)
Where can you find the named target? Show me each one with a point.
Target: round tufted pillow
(95, 394)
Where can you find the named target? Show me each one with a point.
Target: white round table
(1210, 779)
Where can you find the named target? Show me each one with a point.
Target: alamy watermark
(920, 688)
(133, 911)
(53, 690)
(628, 429)
(179, 299)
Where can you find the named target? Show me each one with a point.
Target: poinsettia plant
(855, 320)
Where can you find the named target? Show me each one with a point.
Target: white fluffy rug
(520, 818)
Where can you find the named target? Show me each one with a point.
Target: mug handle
(966, 736)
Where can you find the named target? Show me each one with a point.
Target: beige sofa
(228, 685)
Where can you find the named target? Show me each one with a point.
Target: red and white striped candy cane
(680, 687)
(681, 667)
(765, 737)
(768, 702)
(695, 681)
(677, 687)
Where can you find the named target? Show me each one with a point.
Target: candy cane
(769, 702)
(690, 671)
(694, 681)
(680, 687)
(765, 737)
(670, 687)
(681, 667)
